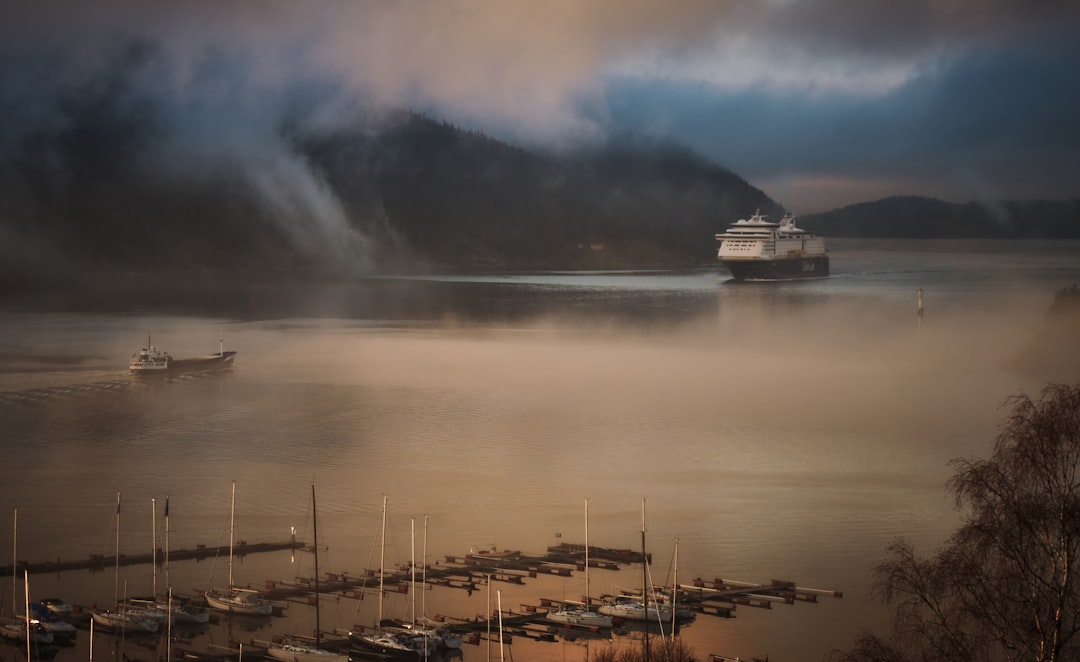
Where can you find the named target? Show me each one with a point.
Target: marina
(528, 621)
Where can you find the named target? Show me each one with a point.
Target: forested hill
(394, 190)
(928, 218)
(463, 198)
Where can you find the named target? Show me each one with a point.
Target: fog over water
(782, 431)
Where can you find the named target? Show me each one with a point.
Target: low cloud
(828, 88)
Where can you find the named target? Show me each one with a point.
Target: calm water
(781, 431)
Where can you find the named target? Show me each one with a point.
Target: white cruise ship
(758, 249)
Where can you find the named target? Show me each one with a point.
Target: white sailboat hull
(300, 653)
(246, 602)
(574, 616)
(122, 621)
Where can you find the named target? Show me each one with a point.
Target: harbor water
(784, 431)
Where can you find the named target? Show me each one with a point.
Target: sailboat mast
(502, 653)
(153, 543)
(412, 568)
(168, 584)
(315, 533)
(169, 618)
(587, 593)
(116, 574)
(423, 560)
(26, 598)
(382, 556)
(232, 525)
(14, 561)
(645, 579)
(675, 590)
(489, 618)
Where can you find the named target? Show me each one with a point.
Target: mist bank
(398, 192)
(138, 167)
(123, 168)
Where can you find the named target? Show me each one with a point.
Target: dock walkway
(99, 562)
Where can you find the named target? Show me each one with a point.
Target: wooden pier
(99, 562)
(597, 554)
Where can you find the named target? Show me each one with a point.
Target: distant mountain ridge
(913, 217)
(398, 190)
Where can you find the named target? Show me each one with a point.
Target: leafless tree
(660, 650)
(1005, 585)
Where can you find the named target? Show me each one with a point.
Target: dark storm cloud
(994, 122)
(909, 29)
(806, 96)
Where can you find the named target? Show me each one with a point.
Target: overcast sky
(820, 103)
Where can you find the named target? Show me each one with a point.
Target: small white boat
(122, 620)
(438, 634)
(185, 612)
(292, 651)
(17, 632)
(395, 643)
(239, 601)
(59, 628)
(57, 607)
(575, 615)
(632, 610)
(493, 554)
(162, 610)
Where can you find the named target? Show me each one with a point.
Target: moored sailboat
(294, 649)
(436, 634)
(631, 609)
(122, 618)
(29, 630)
(233, 599)
(581, 615)
(59, 628)
(390, 642)
(39, 624)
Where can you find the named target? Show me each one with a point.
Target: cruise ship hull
(786, 268)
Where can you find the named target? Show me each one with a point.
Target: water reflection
(777, 432)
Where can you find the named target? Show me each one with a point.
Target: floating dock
(99, 562)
